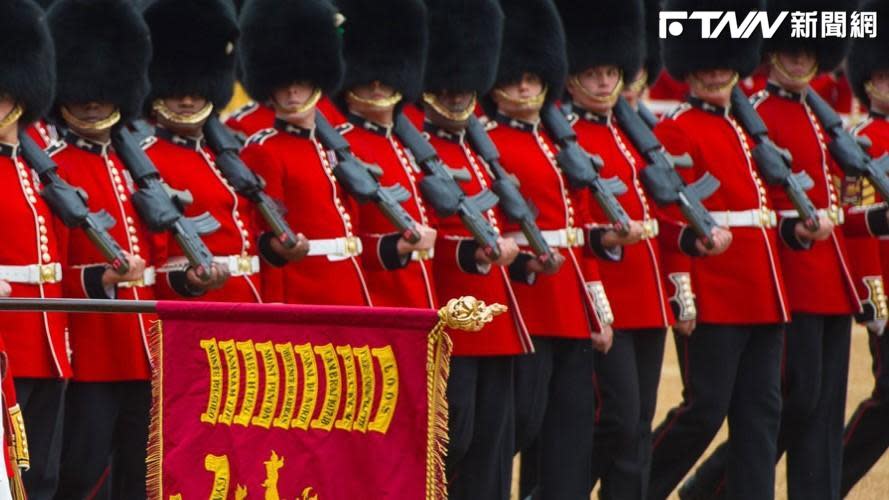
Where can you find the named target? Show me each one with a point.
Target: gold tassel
(466, 314)
(154, 457)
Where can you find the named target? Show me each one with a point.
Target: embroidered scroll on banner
(298, 402)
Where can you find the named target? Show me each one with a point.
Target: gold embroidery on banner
(270, 398)
(251, 382)
(240, 492)
(345, 422)
(332, 387)
(218, 465)
(386, 410)
(288, 359)
(310, 387)
(272, 466)
(215, 393)
(368, 387)
(233, 370)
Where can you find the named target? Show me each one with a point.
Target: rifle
(774, 163)
(582, 169)
(647, 116)
(355, 176)
(850, 152)
(245, 181)
(443, 193)
(660, 176)
(69, 204)
(154, 201)
(516, 207)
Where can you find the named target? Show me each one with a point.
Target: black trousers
(555, 402)
(626, 386)
(42, 404)
(105, 424)
(814, 379)
(728, 371)
(867, 432)
(481, 427)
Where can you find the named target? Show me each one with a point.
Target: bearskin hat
(103, 48)
(385, 40)
(869, 55)
(193, 44)
(688, 52)
(653, 61)
(465, 38)
(829, 52)
(27, 58)
(605, 32)
(284, 41)
(533, 42)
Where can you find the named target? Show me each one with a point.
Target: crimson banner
(297, 402)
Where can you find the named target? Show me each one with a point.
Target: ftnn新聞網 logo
(825, 24)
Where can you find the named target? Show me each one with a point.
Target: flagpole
(79, 305)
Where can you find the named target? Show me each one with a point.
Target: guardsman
(731, 361)
(566, 312)
(866, 437)
(251, 118)
(102, 52)
(192, 74)
(31, 259)
(292, 69)
(465, 42)
(383, 73)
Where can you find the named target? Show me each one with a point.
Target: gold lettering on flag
(368, 387)
(310, 387)
(389, 398)
(270, 398)
(233, 370)
(215, 394)
(218, 465)
(290, 378)
(348, 417)
(332, 383)
(251, 383)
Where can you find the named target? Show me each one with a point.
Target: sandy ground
(874, 486)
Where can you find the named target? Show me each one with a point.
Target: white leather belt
(418, 255)
(746, 218)
(556, 238)
(336, 249)
(237, 265)
(33, 274)
(148, 279)
(835, 214)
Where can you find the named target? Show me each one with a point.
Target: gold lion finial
(469, 314)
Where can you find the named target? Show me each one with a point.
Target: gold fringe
(16, 486)
(154, 458)
(467, 314)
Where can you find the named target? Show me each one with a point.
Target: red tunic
(412, 285)
(188, 165)
(793, 126)
(35, 342)
(635, 283)
(744, 285)
(251, 118)
(105, 347)
(557, 305)
(298, 171)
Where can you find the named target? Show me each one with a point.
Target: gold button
(246, 244)
(32, 199)
(46, 257)
(122, 198)
(136, 249)
(43, 230)
(44, 248)
(40, 219)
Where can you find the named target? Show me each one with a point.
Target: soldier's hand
(5, 289)
(300, 250)
(721, 238)
(612, 238)
(602, 340)
(509, 250)
(218, 276)
(135, 273)
(427, 241)
(824, 231)
(550, 267)
(685, 328)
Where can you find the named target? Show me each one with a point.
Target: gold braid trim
(776, 62)
(171, 116)
(155, 455)
(11, 117)
(383, 103)
(103, 124)
(454, 116)
(306, 106)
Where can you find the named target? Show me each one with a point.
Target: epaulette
(55, 148)
(244, 110)
(261, 136)
(678, 110)
(758, 98)
(344, 128)
(856, 130)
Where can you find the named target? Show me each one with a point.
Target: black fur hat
(27, 58)
(193, 44)
(604, 32)
(533, 42)
(465, 38)
(284, 41)
(103, 48)
(869, 54)
(653, 62)
(688, 52)
(829, 52)
(385, 40)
